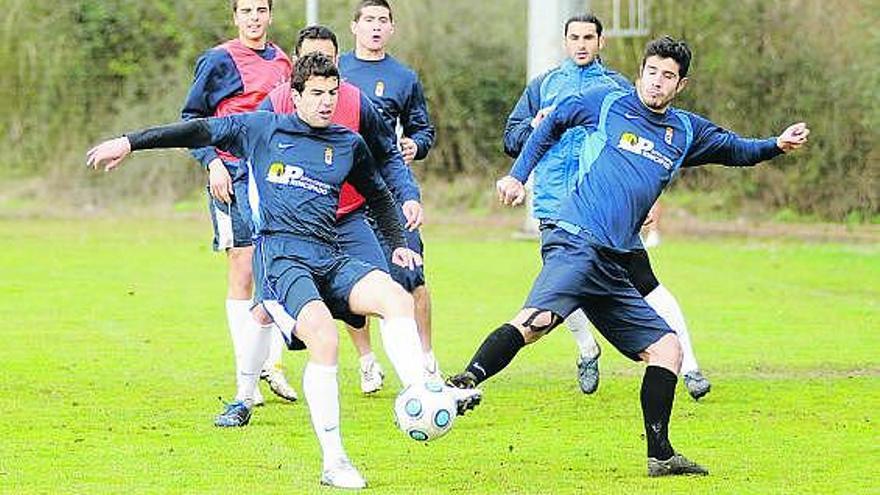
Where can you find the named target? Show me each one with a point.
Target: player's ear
(601, 42)
(353, 27)
(682, 83)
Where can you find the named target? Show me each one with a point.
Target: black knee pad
(542, 327)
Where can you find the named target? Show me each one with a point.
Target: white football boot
(372, 377)
(342, 474)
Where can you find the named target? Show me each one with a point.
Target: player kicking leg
(577, 274)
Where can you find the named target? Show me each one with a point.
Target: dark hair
(316, 32)
(372, 3)
(588, 18)
(312, 65)
(667, 47)
(234, 4)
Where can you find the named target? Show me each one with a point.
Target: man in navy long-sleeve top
(639, 142)
(396, 91)
(231, 78)
(296, 167)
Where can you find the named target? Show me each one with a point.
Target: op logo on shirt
(644, 147)
(328, 155)
(380, 89)
(291, 175)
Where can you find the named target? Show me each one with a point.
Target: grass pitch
(114, 350)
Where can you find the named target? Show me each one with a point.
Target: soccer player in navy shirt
(296, 167)
(638, 142)
(557, 175)
(355, 234)
(230, 78)
(397, 92)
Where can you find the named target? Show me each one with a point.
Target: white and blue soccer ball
(425, 411)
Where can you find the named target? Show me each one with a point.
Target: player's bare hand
(108, 154)
(415, 216)
(539, 117)
(406, 258)
(408, 148)
(219, 181)
(793, 138)
(511, 192)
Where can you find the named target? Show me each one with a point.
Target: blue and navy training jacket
(556, 177)
(396, 91)
(629, 155)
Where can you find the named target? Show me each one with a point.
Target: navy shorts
(293, 272)
(232, 228)
(408, 279)
(357, 239)
(579, 274)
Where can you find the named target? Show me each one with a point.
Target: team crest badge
(328, 155)
(668, 137)
(380, 88)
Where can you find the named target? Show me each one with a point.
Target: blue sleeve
(266, 105)
(216, 78)
(519, 123)
(573, 111)
(382, 143)
(714, 144)
(416, 122)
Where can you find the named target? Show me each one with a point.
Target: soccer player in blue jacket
(230, 78)
(297, 165)
(396, 91)
(636, 144)
(556, 177)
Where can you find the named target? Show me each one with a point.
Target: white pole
(546, 19)
(312, 12)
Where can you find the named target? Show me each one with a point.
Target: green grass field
(115, 349)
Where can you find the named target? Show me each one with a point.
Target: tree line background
(75, 71)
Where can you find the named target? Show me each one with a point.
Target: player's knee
(535, 323)
(261, 316)
(666, 352)
(398, 302)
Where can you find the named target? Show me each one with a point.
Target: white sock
(579, 325)
(276, 348)
(431, 365)
(321, 389)
(255, 341)
(667, 307)
(238, 313)
(400, 339)
(366, 360)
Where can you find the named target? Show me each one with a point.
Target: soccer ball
(424, 411)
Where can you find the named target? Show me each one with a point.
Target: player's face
(583, 43)
(374, 28)
(318, 46)
(317, 102)
(253, 17)
(659, 82)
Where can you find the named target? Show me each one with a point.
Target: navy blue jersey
(295, 171)
(396, 91)
(629, 156)
(380, 141)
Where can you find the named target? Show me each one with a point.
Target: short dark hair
(312, 65)
(316, 32)
(358, 11)
(667, 47)
(588, 18)
(234, 4)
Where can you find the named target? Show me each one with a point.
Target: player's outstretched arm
(228, 132)
(714, 144)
